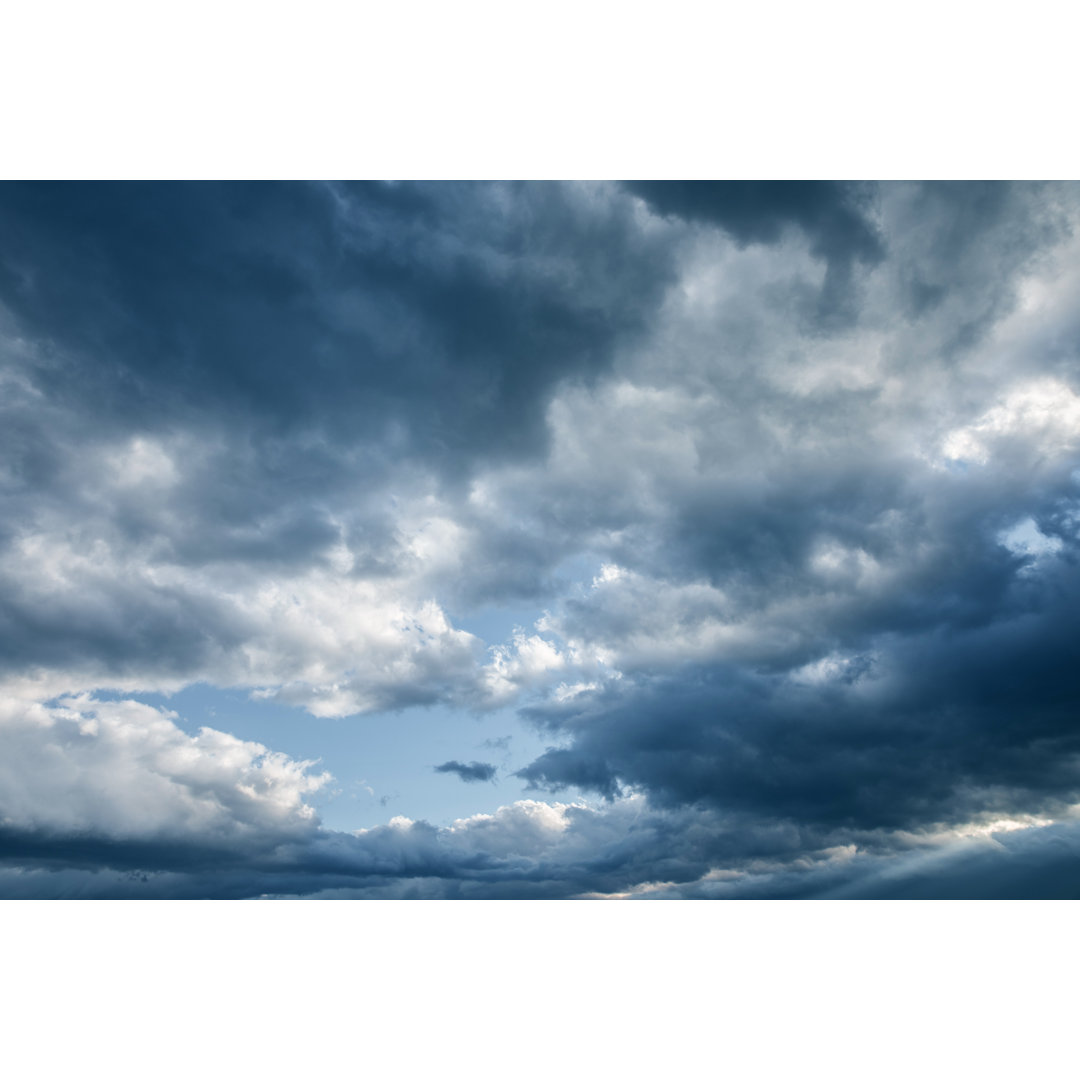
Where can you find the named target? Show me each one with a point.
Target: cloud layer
(789, 474)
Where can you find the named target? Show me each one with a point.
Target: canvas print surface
(539, 540)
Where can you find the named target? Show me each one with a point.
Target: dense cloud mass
(788, 474)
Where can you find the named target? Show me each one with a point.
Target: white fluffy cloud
(125, 771)
(321, 637)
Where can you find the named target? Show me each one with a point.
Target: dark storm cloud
(449, 311)
(649, 854)
(508, 855)
(1029, 864)
(891, 662)
(832, 214)
(836, 217)
(817, 443)
(303, 354)
(931, 727)
(1041, 863)
(474, 772)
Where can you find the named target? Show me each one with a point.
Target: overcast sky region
(602, 540)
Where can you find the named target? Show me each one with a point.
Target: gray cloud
(239, 384)
(473, 772)
(446, 311)
(538, 851)
(837, 218)
(791, 472)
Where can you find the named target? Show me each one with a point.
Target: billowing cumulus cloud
(786, 477)
(86, 772)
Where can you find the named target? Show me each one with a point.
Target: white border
(584, 89)
(530, 989)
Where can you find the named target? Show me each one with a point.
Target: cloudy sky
(539, 541)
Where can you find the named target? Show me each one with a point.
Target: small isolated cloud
(474, 772)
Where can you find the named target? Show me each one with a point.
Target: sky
(539, 541)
